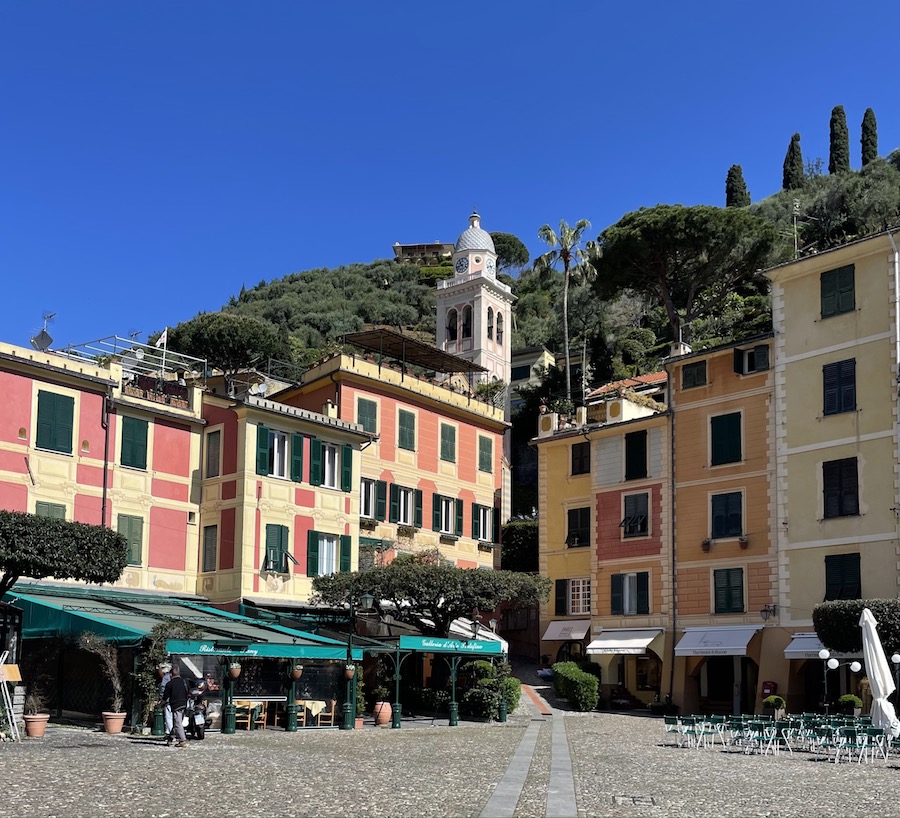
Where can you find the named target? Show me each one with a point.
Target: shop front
(563, 641)
(631, 665)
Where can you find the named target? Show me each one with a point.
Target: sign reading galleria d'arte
(434, 644)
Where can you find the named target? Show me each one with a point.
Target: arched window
(467, 322)
(452, 323)
(499, 329)
(490, 323)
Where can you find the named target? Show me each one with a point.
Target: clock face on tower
(489, 265)
(462, 265)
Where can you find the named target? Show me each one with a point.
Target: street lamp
(895, 661)
(366, 601)
(831, 663)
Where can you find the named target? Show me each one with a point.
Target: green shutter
(636, 455)
(476, 522)
(134, 442)
(725, 434)
(448, 443)
(395, 503)
(459, 517)
(617, 594)
(55, 511)
(435, 512)
(346, 467)
(297, 457)
(407, 436)
(315, 461)
(828, 286)
(562, 597)
(276, 548)
(344, 558)
(210, 537)
(367, 414)
(485, 454)
(312, 554)
(643, 593)
(495, 520)
(846, 299)
(55, 422)
(417, 508)
(842, 577)
(132, 528)
(380, 499)
(262, 449)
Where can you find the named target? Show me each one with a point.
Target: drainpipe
(672, 527)
(104, 422)
(896, 304)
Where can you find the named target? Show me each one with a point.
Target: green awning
(435, 644)
(126, 619)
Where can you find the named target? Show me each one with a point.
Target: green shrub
(837, 623)
(848, 698)
(511, 690)
(580, 688)
(776, 702)
(481, 701)
(479, 669)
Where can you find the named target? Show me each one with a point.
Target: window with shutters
(748, 361)
(839, 387)
(485, 454)
(728, 586)
(727, 514)
(636, 455)
(693, 374)
(134, 442)
(55, 511)
(578, 532)
(840, 480)
(579, 596)
(725, 438)
(581, 458)
(842, 577)
(367, 498)
(636, 522)
(482, 522)
(406, 423)
(837, 291)
(367, 414)
(55, 422)
(630, 594)
(328, 554)
(277, 548)
(272, 452)
(214, 453)
(404, 504)
(132, 529)
(210, 541)
(448, 443)
(330, 465)
(446, 514)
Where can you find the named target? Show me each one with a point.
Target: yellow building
(722, 405)
(836, 329)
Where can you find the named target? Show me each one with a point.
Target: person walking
(165, 673)
(175, 695)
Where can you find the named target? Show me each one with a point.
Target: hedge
(580, 688)
(837, 623)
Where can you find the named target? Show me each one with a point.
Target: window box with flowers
(408, 531)
(485, 546)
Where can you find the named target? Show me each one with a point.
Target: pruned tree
(39, 547)
(568, 252)
(687, 258)
(736, 193)
(511, 253)
(839, 144)
(869, 138)
(792, 176)
(425, 586)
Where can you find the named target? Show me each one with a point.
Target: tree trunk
(566, 334)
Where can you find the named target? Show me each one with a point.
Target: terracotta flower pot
(297, 672)
(36, 724)
(349, 672)
(113, 722)
(383, 712)
(234, 671)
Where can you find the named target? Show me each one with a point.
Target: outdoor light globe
(856, 667)
(833, 664)
(896, 658)
(824, 654)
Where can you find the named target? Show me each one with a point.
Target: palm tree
(566, 251)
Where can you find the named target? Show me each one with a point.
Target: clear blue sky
(158, 155)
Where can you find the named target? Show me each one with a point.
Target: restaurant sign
(434, 644)
(261, 650)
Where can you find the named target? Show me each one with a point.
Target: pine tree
(793, 165)
(839, 154)
(869, 140)
(736, 193)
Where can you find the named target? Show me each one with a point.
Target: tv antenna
(41, 342)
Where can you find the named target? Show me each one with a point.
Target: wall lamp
(767, 611)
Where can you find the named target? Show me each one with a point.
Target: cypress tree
(736, 193)
(793, 165)
(869, 140)
(839, 154)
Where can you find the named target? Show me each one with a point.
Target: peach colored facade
(63, 428)
(726, 567)
(408, 466)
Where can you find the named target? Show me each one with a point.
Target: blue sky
(157, 156)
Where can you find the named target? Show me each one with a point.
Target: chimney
(330, 409)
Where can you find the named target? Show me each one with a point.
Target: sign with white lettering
(435, 644)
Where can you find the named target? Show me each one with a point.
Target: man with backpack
(175, 695)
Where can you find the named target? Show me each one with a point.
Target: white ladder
(7, 702)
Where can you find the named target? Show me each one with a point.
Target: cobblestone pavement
(622, 767)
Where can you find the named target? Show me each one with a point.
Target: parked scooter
(195, 711)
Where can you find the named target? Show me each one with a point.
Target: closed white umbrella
(881, 683)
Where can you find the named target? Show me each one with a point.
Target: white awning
(631, 641)
(807, 646)
(725, 641)
(564, 629)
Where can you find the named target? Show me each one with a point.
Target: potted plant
(36, 715)
(114, 718)
(296, 671)
(850, 704)
(234, 669)
(774, 706)
(382, 709)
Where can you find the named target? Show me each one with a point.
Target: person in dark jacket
(175, 695)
